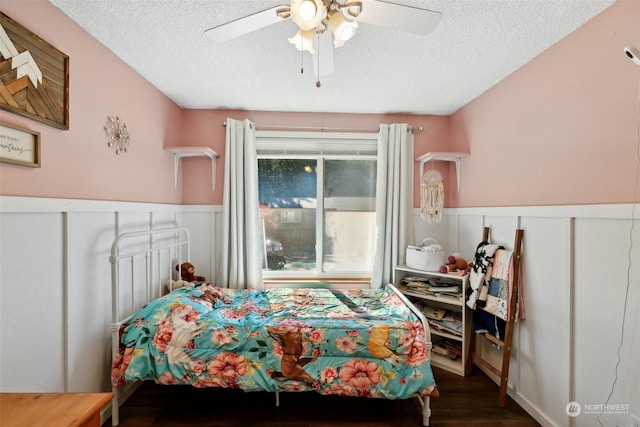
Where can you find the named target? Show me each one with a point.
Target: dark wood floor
(470, 401)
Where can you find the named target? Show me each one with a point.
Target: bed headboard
(141, 264)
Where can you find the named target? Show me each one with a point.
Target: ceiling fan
(323, 23)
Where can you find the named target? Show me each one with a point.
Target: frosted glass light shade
(303, 40)
(307, 10)
(342, 29)
(307, 14)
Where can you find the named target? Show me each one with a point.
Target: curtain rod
(331, 129)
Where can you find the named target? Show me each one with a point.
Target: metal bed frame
(161, 250)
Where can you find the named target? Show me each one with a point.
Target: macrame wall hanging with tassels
(431, 196)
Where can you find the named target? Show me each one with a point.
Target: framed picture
(19, 146)
(36, 76)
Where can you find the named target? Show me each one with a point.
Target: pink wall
(77, 163)
(205, 128)
(563, 129)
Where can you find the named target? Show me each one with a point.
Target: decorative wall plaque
(19, 146)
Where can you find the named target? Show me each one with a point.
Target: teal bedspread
(345, 342)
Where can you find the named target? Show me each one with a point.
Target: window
(317, 205)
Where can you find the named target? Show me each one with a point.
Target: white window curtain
(394, 201)
(241, 258)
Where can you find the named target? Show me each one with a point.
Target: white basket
(426, 257)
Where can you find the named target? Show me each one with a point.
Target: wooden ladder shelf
(506, 344)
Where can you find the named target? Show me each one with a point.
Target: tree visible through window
(318, 215)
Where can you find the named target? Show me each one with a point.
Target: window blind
(318, 143)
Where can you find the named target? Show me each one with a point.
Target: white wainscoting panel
(469, 234)
(602, 277)
(439, 231)
(204, 244)
(581, 275)
(32, 336)
(55, 296)
(89, 238)
(543, 338)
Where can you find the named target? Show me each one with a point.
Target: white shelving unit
(442, 156)
(180, 152)
(443, 302)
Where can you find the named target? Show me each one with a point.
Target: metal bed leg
(277, 399)
(115, 407)
(426, 410)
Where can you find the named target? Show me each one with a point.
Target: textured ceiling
(476, 45)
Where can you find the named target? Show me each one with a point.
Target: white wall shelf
(180, 152)
(442, 156)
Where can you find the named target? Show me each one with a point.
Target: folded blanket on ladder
(491, 282)
(480, 275)
(498, 289)
(493, 310)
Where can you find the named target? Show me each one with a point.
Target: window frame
(319, 146)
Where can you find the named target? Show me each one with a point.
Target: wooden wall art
(34, 76)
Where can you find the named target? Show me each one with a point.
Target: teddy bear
(177, 284)
(455, 264)
(187, 273)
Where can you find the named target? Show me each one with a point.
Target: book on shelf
(441, 319)
(433, 312)
(448, 348)
(430, 286)
(450, 327)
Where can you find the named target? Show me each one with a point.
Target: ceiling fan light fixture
(342, 29)
(307, 14)
(303, 40)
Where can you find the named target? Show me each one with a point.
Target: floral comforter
(346, 342)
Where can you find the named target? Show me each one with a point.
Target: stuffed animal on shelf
(188, 273)
(456, 264)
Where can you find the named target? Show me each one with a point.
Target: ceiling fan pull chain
(318, 82)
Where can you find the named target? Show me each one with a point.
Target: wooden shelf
(180, 152)
(445, 157)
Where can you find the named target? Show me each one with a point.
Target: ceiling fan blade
(405, 18)
(323, 58)
(244, 25)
